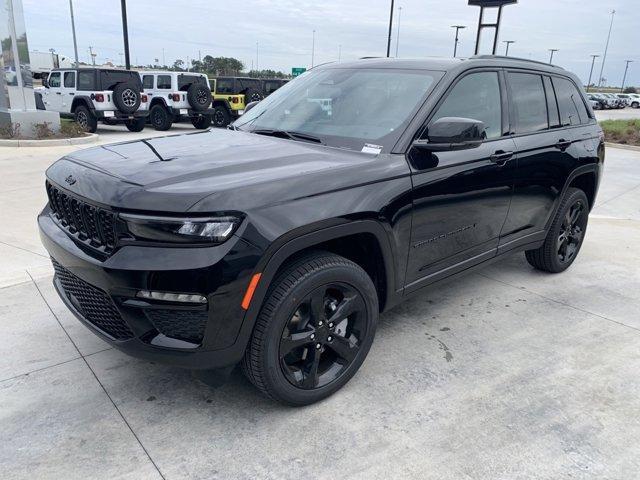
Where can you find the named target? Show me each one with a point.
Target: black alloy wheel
(323, 336)
(221, 117)
(160, 118)
(571, 232)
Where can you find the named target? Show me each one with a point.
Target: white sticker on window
(370, 148)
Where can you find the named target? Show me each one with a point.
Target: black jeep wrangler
(277, 244)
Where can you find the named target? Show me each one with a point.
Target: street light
(593, 62)
(455, 45)
(508, 42)
(625, 74)
(73, 30)
(125, 33)
(606, 48)
(552, 50)
(390, 27)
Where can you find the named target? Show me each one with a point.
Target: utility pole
(606, 48)
(164, 63)
(199, 56)
(455, 44)
(390, 27)
(508, 42)
(593, 62)
(626, 69)
(552, 50)
(73, 31)
(257, 56)
(125, 33)
(398, 36)
(313, 48)
(92, 55)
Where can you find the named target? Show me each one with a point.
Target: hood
(237, 169)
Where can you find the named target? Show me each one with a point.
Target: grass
(622, 131)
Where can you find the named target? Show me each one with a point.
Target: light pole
(606, 48)
(390, 27)
(125, 34)
(398, 36)
(455, 44)
(313, 48)
(552, 50)
(257, 46)
(508, 42)
(626, 69)
(593, 62)
(73, 31)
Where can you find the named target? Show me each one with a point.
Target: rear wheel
(136, 125)
(313, 331)
(160, 118)
(199, 96)
(201, 122)
(221, 117)
(85, 119)
(565, 237)
(635, 105)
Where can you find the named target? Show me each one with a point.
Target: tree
(630, 90)
(178, 65)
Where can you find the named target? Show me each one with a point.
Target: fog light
(172, 297)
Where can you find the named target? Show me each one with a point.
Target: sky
(278, 34)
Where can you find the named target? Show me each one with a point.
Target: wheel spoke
(346, 307)
(344, 348)
(310, 373)
(295, 340)
(575, 214)
(316, 306)
(562, 249)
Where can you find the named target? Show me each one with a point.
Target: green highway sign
(295, 71)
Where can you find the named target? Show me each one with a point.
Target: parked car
(598, 102)
(90, 95)
(277, 243)
(173, 95)
(634, 100)
(615, 101)
(607, 102)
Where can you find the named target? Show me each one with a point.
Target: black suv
(278, 243)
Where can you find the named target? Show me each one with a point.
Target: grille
(179, 324)
(90, 224)
(94, 305)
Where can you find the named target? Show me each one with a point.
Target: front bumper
(101, 293)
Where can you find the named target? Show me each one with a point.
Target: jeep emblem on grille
(70, 180)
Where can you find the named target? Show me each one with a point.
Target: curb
(51, 142)
(623, 146)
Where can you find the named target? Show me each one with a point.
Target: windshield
(355, 108)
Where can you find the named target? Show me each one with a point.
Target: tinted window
(271, 86)
(86, 80)
(552, 104)
(70, 79)
(54, 80)
(164, 82)
(528, 102)
(224, 85)
(147, 81)
(186, 80)
(246, 83)
(476, 96)
(572, 108)
(109, 78)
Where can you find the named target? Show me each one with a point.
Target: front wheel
(221, 117)
(85, 119)
(565, 237)
(314, 330)
(160, 118)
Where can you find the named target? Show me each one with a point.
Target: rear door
(553, 134)
(461, 198)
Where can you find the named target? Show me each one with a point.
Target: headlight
(213, 230)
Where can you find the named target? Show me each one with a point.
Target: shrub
(70, 130)
(43, 130)
(10, 131)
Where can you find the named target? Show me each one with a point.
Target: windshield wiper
(289, 134)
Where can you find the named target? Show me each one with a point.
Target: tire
(221, 117)
(566, 235)
(332, 283)
(635, 105)
(85, 119)
(160, 118)
(252, 96)
(199, 96)
(126, 97)
(201, 122)
(136, 125)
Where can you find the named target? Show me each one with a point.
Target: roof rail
(503, 57)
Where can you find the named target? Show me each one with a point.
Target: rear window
(224, 85)
(86, 80)
(164, 82)
(572, 108)
(529, 102)
(246, 83)
(147, 81)
(109, 78)
(271, 86)
(186, 80)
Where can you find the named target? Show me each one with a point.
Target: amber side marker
(248, 295)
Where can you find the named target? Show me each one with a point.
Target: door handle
(563, 144)
(501, 157)
(71, 93)
(58, 93)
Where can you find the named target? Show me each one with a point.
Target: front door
(461, 198)
(52, 96)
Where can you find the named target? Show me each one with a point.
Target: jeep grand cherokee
(278, 243)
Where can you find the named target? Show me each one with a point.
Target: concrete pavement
(505, 374)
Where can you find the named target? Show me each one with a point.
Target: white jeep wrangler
(90, 95)
(173, 95)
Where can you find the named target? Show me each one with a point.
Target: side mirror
(45, 82)
(453, 133)
(250, 105)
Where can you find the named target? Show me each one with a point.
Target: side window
(69, 79)
(147, 81)
(572, 108)
(476, 96)
(224, 85)
(164, 82)
(86, 80)
(529, 104)
(552, 104)
(54, 80)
